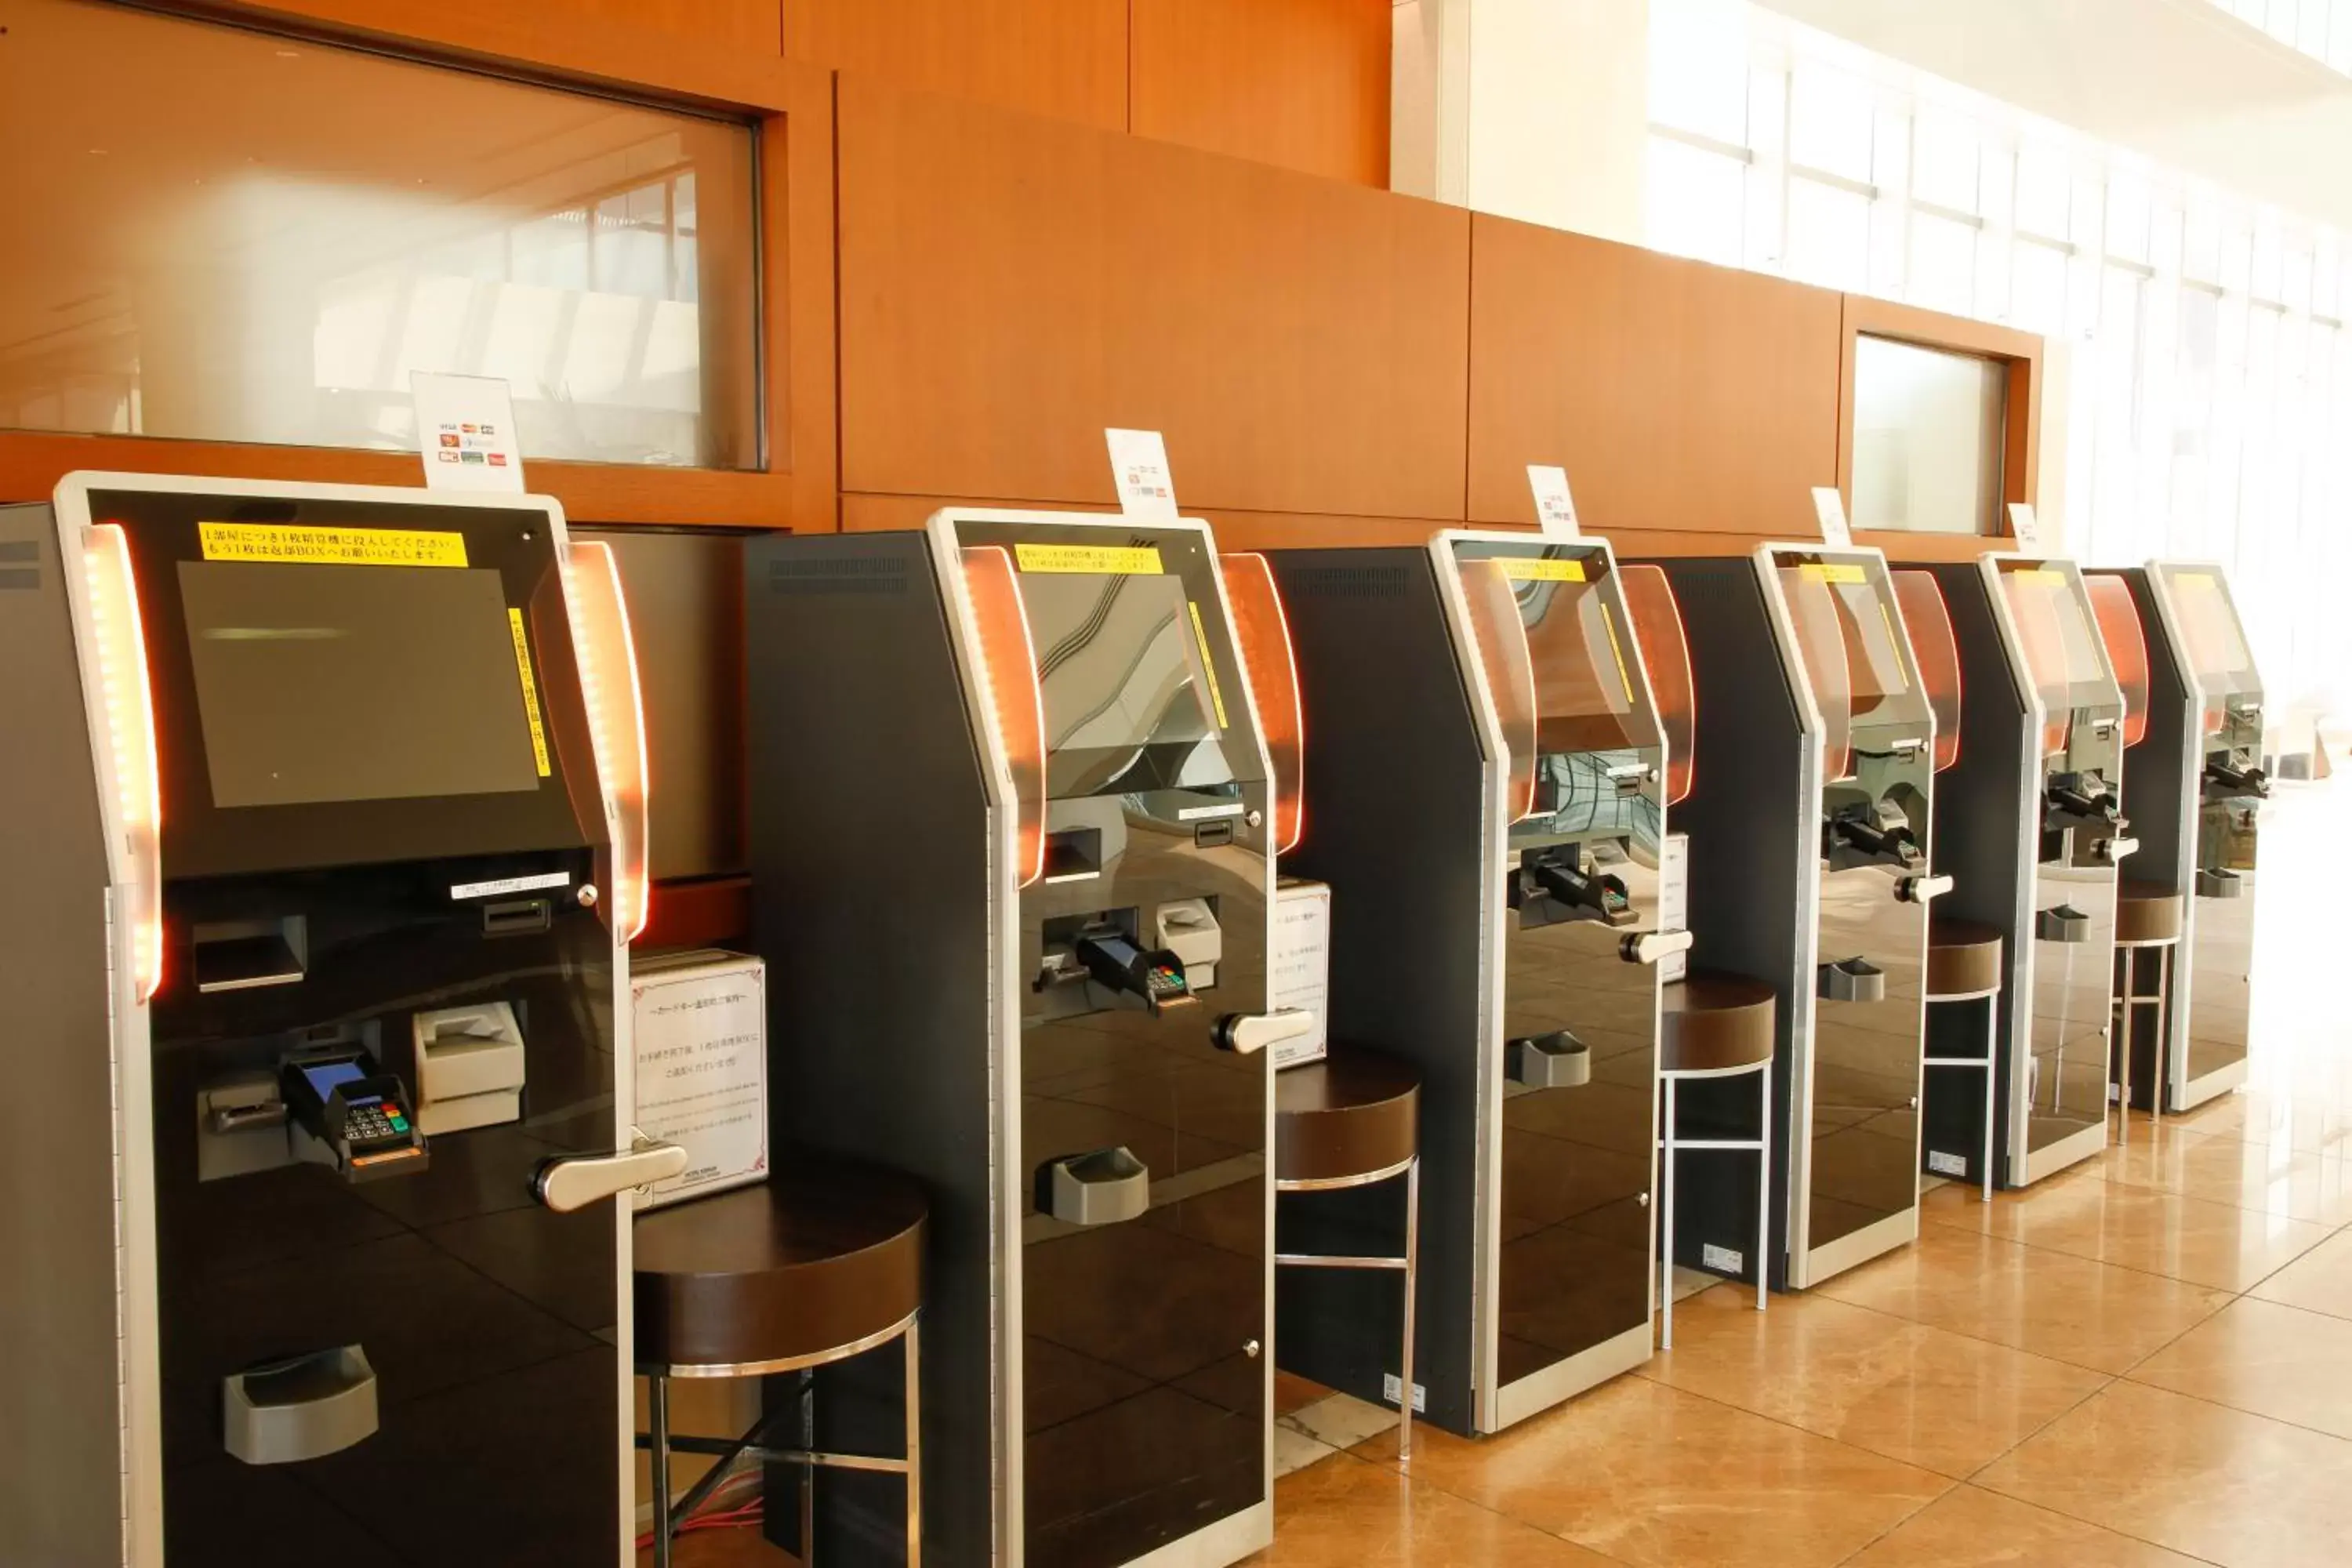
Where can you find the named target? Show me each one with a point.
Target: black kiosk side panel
(1751, 860)
(1393, 807)
(60, 1457)
(870, 876)
(2157, 775)
(1979, 843)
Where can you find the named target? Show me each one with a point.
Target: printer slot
(244, 955)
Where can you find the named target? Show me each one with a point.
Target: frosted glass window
(1943, 263)
(224, 235)
(1829, 236)
(1829, 122)
(1695, 200)
(1699, 68)
(2038, 293)
(2044, 191)
(1945, 153)
(1929, 427)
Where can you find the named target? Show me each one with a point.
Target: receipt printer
(470, 1067)
(1188, 928)
(348, 1113)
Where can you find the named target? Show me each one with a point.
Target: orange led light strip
(1016, 700)
(616, 722)
(1271, 664)
(130, 740)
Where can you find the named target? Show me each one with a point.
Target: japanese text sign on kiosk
(466, 432)
(1138, 465)
(1554, 508)
(2025, 526)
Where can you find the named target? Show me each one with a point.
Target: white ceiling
(2180, 81)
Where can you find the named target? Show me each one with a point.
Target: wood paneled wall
(1010, 286)
(1063, 58)
(1679, 396)
(1301, 84)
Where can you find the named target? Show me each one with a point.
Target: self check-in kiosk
(1486, 801)
(1013, 869)
(1808, 829)
(2029, 828)
(2194, 788)
(324, 834)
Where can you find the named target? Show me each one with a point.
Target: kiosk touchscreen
(1487, 800)
(1809, 843)
(2031, 829)
(295, 777)
(2195, 792)
(1012, 856)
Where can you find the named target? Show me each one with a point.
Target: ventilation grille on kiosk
(1375, 582)
(20, 563)
(838, 575)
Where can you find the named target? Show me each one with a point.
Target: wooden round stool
(820, 1262)
(1964, 966)
(2149, 918)
(1348, 1120)
(1715, 1026)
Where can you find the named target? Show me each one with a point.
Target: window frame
(788, 107)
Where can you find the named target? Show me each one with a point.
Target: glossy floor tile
(1655, 1477)
(2144, 1361)
(2075, 1310)
(1929, 1397)
(2232, 1487)
(1970, 1528)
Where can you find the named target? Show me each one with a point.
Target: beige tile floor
(2145, 1361)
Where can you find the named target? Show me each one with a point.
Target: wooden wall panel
(1063, 59)
(1009, 287)
(1300, 83)
(1677, 396)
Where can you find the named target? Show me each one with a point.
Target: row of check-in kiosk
(324, 815)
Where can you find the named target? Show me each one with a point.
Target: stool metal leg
(808, 1471)
(1992, 1048)
(914, 1444)
(1412, 1292)
(657, 1406)
(1763, 1184)
(1666, 1220)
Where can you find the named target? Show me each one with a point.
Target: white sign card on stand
(466, 432)
(2026, 527)
(1829, 508)
(1139, 464)
(1555, 507)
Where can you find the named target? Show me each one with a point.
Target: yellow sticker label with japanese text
(300, 544)
(1200, 636)
(2042, 576)
(529, 691)
(1834, 572)
(1097, 560)
(1520, 569)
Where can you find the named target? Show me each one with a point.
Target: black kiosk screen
(348, 682)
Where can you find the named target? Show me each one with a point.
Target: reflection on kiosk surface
(1810, 830)
(2031, 829)
(1013, 866)
(369, 887)
(1487, 799)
